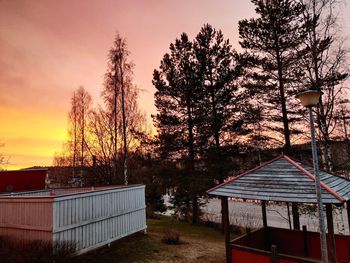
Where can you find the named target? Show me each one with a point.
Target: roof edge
(312, 177)
(311, 165)
(247, 172)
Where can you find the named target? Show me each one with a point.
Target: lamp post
(309, 99)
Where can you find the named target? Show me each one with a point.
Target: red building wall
(23, 180)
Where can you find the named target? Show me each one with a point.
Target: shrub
(63, 251)
(171, 236)
(36, 251)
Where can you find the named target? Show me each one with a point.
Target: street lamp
(309, 99)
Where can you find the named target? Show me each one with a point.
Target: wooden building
(285, 179)
(23, 180)
(88, 217)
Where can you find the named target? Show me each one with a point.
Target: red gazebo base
(271, 244)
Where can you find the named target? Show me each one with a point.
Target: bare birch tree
(343, 128)
(3, 160)
(84, 102)
(75, 150)
(101, 145)
(324, 66)
(73, 132)
(120, 96)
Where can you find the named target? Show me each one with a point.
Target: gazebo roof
(284, 179)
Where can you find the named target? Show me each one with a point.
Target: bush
(171, 236)
(36, 251)
(63, 251)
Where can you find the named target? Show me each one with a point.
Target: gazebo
(284, 179)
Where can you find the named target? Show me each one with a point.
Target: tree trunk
(75, 133)
(286, 131)
(195, 211)
(215, 119)
(124, 126)
(82, 134)
(321, 116)
(327, 157)
(195, 208)
(114, 177)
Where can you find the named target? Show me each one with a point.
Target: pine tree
(177, 85)
(220, 102)
(271, 43)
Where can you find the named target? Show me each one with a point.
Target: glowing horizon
(50, 48)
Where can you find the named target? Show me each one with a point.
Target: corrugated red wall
(289, 242)
(23, 180)
(284, 238)
(240, 255)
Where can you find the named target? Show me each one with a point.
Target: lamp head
(309, 98)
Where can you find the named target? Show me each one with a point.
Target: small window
(9, 188)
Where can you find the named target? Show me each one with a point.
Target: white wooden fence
(89, 218)
(98, 218)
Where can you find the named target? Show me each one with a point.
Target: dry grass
(12, 251)
(198, 244)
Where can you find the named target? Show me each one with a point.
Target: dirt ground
(198, 244)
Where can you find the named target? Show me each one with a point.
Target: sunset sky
(49, 48)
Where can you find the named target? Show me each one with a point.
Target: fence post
(306, 244)
(274, 254)
(248, 235)
(332, 249)
(348, 212)
(295, 213)
(263, 208)
(226, 225)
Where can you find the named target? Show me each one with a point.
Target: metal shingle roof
(284, 179)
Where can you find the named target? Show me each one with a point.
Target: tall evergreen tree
(199, 110)
(220, 101)
(271, 42)
(177, 86)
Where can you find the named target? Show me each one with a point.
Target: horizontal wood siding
(26, 219)
(96, 218)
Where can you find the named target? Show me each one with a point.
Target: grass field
(198, 244)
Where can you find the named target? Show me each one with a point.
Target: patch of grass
(185, 229)
(133, 248)
(199, 244)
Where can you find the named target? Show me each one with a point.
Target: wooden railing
(284, 246)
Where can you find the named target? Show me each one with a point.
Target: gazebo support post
(274, 254)
(263, 209)
(306, 243)
(288, 212)
(295, 213)
(226, 224)
(348, 213)
(330, 227)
